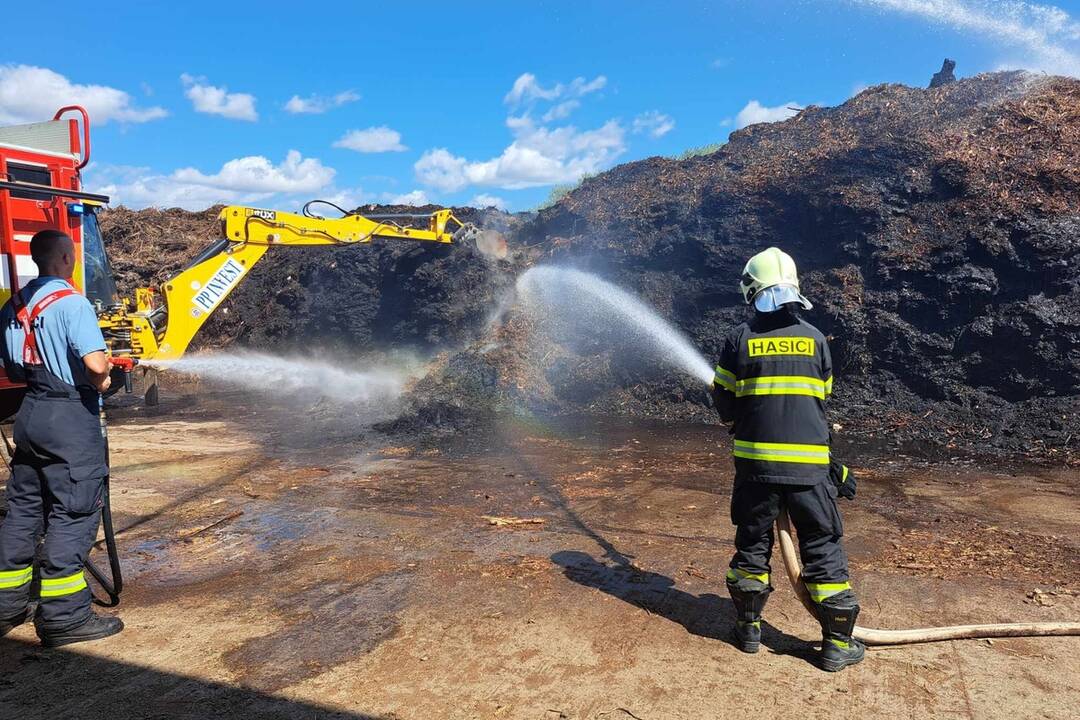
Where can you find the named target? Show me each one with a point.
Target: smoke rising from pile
(585, 304)
(298, 377)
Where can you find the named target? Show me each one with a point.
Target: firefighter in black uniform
(771, 383)
(52, 342)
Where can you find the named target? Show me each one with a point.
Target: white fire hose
(873, 636)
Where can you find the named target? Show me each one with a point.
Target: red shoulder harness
(27, 316)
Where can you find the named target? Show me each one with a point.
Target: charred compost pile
(937, 232)
(148, 246)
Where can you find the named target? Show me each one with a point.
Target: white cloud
(442, 169)
(138, 187)
(1043, 32)
(537, 156)
(372, 140)
(580, 86)
(347, 199)
(33, 94)
(218, 100)
(561, 111)
(242, 180)
(527, 89)
(318, 104)
(161, 191)
(484, 200)
(755, 113)
(654, 122)
(256, 174)
(720, 63)
(415, 198)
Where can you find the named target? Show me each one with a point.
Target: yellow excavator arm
(271, 227)
(160, 323)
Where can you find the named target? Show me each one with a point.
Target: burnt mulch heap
(147, 246)
(937, 232)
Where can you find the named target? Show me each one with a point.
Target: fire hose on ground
(874, 636)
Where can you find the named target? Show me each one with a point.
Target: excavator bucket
(489, 242)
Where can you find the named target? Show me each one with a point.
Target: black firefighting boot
(837, 615)
(749, 597)
(9, 624)
(95, 628)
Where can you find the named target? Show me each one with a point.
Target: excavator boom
(160, 323)
(273, 227)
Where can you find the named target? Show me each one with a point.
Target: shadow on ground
(707, 615)
(40, 683)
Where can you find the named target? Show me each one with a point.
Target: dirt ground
(353, 579)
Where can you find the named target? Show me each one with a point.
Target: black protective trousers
(56, 488)
(812, 508)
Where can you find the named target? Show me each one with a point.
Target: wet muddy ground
(286, 562)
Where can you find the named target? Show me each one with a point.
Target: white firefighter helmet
(770, 280)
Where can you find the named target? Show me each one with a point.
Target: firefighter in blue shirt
(52, 342)
(771, 383)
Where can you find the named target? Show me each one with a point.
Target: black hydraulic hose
(112, 584)
(306, 211)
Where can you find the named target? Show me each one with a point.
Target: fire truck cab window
(100, 285)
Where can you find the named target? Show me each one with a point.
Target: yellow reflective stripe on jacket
(782, 385)
(10, 579)
(57, 587)
(782, 452)
(821, 591)
(724, 378)
(843, 478)
(735, 574)
(828, 385)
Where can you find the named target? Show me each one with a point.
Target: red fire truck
(41, 187)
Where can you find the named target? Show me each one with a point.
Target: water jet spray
(296, 375)
(584, 300)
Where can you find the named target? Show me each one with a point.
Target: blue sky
(273, 103)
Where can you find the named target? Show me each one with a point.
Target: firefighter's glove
(843, 478)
